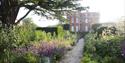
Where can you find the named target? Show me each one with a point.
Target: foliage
(81, 34)
(23, 44)
(121, 25)
(60, 32)
(104, 31)
(41, 35)
(10, 8)
(53, 46)
(53, 50)
(48, 45)
(27, 58)
(7, 42)
(95, 27)
(103, 50)
(25, 33)
(14, 37)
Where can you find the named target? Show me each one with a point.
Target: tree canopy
(9, 9)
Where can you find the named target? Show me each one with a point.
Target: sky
(38, 20)
(110, 11)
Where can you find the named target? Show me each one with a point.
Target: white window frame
(72, 19)
(77, 28)
(86, 28)
(72, 28)
(77, 20)
(86, 20)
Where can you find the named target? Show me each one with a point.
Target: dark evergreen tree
(9, 9)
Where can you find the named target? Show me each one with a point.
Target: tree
(99, 31)
(95, 27)
(9, 8)
(112, 30)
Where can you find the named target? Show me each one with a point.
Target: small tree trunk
(8, 12)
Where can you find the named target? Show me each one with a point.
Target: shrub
(7, 43)
(103, 50)
(27, 58)
(43, 36)
(25, 33)
(39, 35)
(14, 37)
(52, 50)
(60, 32)
(58, 53)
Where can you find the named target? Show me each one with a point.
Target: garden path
(74, 55)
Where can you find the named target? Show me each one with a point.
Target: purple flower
(47, 49)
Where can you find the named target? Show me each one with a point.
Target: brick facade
(82, 21)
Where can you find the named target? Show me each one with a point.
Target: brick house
(82, 21)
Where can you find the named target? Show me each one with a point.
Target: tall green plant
(60, 32)
(7, 43)
(43, 36)
(25, 33)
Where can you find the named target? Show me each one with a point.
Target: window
(86, 20)
(86, 28)
(0, 3)
(72, 19)
(68, 17)
(77, 28)
(77, 20)
(72, 28)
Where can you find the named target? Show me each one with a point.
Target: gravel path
(74, 56)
